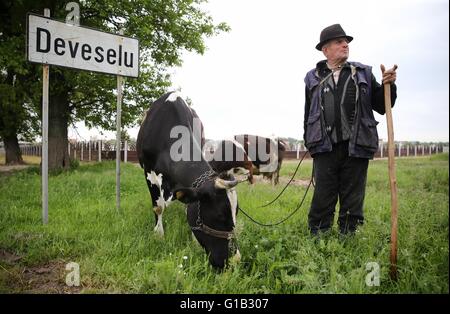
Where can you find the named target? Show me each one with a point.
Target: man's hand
(390, 75)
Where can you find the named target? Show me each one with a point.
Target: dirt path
(45, 278)
(5, 169)
(283, 181)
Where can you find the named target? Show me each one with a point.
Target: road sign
(58, 43)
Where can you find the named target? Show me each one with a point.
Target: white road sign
(58, 43)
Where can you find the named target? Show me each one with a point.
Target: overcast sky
(250, 80)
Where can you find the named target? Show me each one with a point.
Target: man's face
(336, 50)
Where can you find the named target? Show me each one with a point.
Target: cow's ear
(186, 195)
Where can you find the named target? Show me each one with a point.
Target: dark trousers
(338, 176)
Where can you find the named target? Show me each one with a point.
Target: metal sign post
(44, 159)
(118, 127)
(118, 134)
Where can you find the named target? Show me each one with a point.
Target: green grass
(118, 252)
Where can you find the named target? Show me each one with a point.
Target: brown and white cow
(252, 154)
(228, 156)
(265, 153)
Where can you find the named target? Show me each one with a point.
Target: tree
(18, 87)
(164, 28)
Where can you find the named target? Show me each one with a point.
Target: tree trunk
(9, 122)
(58, 120)
(13, 155)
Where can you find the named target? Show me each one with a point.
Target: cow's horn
(225, 184)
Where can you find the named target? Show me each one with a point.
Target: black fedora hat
(332, 32)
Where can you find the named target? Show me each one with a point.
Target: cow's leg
(232, 197)
(273, 179)
(276, 177)
(158, 210)
(159, 229)
(268, 176)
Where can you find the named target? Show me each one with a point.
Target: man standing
(340, 130)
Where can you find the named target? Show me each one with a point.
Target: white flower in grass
(185, 257)
(180, 266)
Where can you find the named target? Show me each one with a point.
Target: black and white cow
(169, 150)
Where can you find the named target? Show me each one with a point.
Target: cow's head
(212, 205)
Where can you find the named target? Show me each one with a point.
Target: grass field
(117, 251)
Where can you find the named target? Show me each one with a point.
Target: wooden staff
(392, 177)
